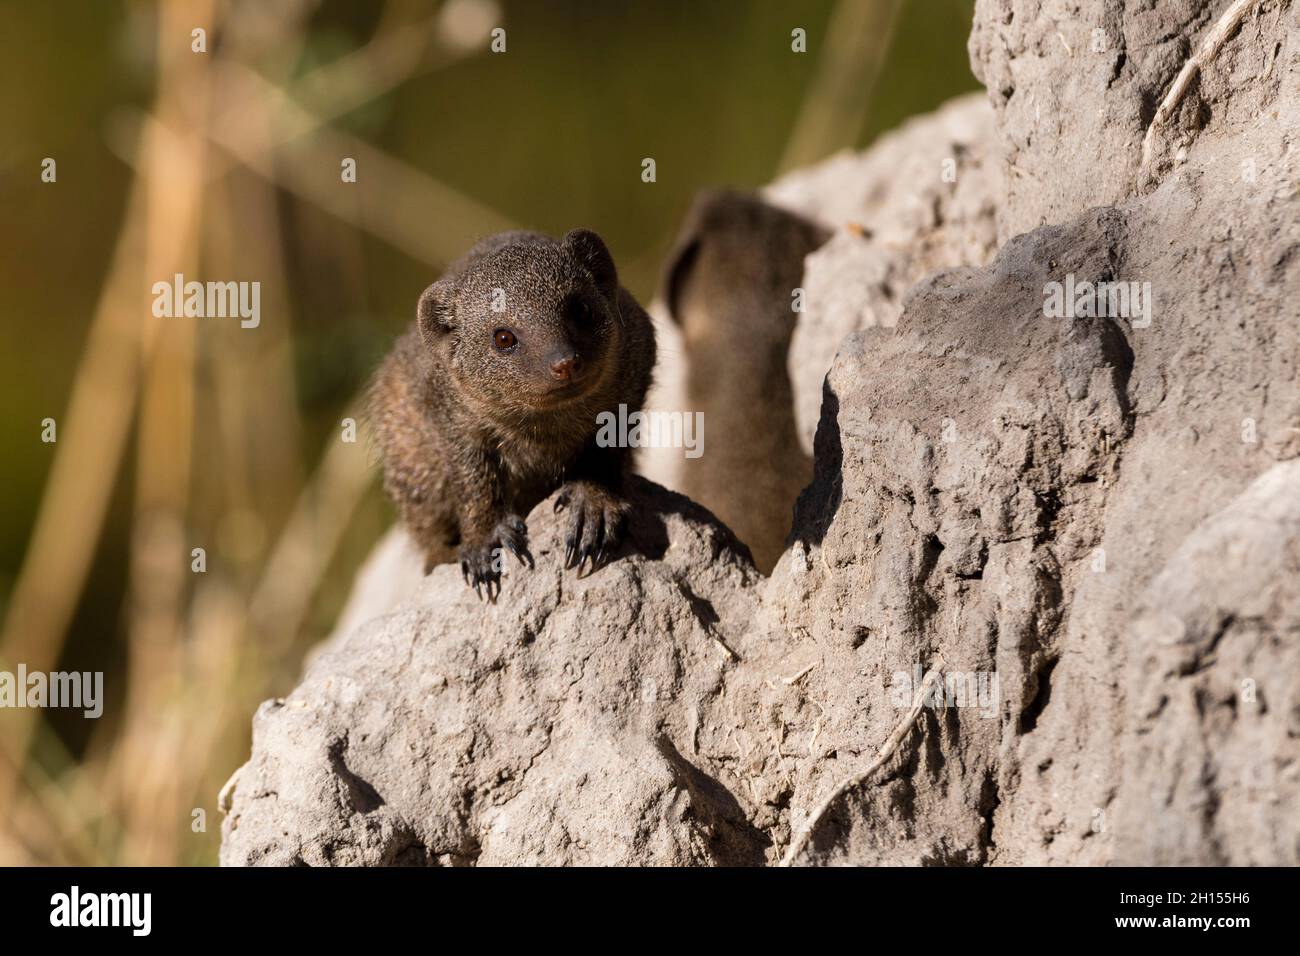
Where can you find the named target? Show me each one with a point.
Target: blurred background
(174, 434)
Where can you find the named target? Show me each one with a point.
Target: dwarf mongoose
(490, 402)
(729, 284)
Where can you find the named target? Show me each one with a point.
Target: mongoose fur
(728, 284)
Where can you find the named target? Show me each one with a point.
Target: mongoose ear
(677, 274)
(590, 250)
(434, 312)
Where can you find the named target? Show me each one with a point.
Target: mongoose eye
(504, 339)
(580, 311)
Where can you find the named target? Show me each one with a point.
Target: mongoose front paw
(512, 534)
(480, 564)
(596, 528)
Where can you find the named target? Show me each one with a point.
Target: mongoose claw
(596, 527)
(480, 564)
(513, 535)
(521, 552)
(593, 538)
(478, 568)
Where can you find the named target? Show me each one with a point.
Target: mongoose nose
(566, 368)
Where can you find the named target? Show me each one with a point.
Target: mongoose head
(530, 324)
(729, 284)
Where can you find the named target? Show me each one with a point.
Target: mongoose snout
(566, 368)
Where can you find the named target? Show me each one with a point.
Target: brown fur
(473, 437)
(728, 284)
